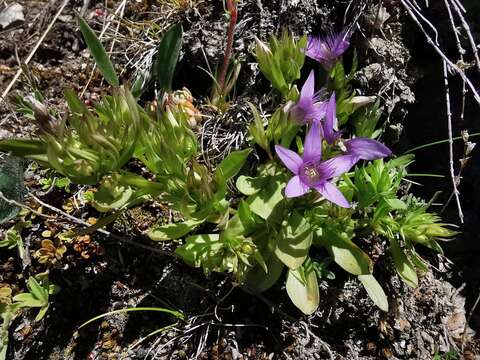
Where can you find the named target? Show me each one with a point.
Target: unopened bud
(469, 147)
(247, 249)
(39, 108)
(43, 118)
(262, 46)
(359, 101)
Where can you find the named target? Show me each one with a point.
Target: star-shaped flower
(311, 172)
(328, 49)
(308, 107)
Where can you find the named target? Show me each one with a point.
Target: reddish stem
(232, 9)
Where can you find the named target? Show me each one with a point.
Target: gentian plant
(304, 203)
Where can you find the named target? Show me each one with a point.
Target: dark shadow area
(427, 122)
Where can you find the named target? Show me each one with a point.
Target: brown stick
(34, 50)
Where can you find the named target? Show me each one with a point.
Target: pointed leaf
(172, 231)
(37, 290)
(294, 242)
(260, 281)
(403, 265)
(98, 52)
(27, 300)
(257, 130)
(375, 291)
(346, 253)
(167, 57)
(233, 163)
(23, 147)
(41, 313)
(306, 296)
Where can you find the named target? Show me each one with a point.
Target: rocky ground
(222, 321)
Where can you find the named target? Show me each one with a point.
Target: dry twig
(450, 143)
(79, 222)
(34, 50)
(410, 9)
(414, 12)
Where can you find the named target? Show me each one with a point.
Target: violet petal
(308, 88)
(331, 193)
(367, 149)
(312, 149)
(337, 166)
(291, 159)
(331, 123)
(295, 187)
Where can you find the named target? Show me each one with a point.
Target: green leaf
(23, 147)
(265, 202)
(172, 231)
(37, 290)
(13, 239)
(137, 86)
(270, 66)
(27, 300)
(304, 296)
(257, 130)
(396, 204)
(247, 217)
(294, 242)
(174, 313)
(375, 291)
(41, 313)
(260, 281)
(401, 161)
(75, 105)
(248, 185)
(167, 57)
(403, 265)
(418, 262)
(345, 253)
(98, 52)
(11, 186)
(200, 248)
(111, 195)
(233, 163)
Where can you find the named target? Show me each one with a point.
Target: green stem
(438, 143)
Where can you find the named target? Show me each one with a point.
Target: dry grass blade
(34, 50)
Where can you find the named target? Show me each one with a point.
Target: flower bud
(359, 101)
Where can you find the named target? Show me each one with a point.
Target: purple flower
(311, 172)
(328, 49)
(367, 149)
(361, 148)
(330, 124)
(308, 108)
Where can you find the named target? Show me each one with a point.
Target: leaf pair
(37, 297)
(163, 67)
